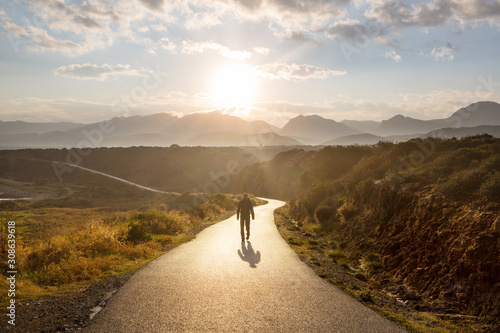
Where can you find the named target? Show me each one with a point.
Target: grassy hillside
(169, 169)
(419, 220)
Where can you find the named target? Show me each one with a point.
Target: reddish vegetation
(447, 252)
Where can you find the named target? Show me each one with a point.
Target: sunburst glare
(234, 86)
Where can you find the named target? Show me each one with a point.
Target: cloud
(43, 41)
(480, 9)
(94, 72)
(153, 4)
(167, 45)
(399, 14)
(348, 29)
(159, 27)
(202, 20)
(441, 52)
(295, 72)
(14, 29)
(190, 47)
(262, 50)
(393, 55)
(88, 22)
(38, 39)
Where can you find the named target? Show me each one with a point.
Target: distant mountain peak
(398, 117)
(315, 128)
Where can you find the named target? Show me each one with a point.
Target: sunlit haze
(234, 86)
(86, 61)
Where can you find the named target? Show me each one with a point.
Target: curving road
(215, 283)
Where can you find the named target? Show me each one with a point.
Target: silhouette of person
(245, 209)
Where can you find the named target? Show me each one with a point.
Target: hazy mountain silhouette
(400, 125)
(20, 127)
(362, 126)
(231, 139)
(34, 140)
(315, 129)
(214, 122)
(476, 114)
(216, 128)
(360, 139)
(140, 139)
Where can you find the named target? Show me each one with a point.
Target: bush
(360, 276)
(366, 297)
(490, 189)
(336, 254)
(348, 210)
(316, 194)
(326, 216)
(137, 232)
(372, 262)
(75, 268)
(365, 190)
(462, 183)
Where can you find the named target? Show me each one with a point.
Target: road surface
(215, 283)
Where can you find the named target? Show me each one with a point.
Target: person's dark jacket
(245, 208)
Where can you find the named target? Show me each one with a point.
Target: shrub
(75, 268)
(336, 254)
(365, 190)
(142, 225)
(98, 239)
(462, 183)
(348, 210)
(366, 297)
(43, 254)
(316, 194)
(360, 276)
(326, 216)
(372, 262)
(137, 232)
(490, 189)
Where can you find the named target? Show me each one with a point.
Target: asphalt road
(216, 283)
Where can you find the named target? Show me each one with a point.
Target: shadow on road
(248, 254)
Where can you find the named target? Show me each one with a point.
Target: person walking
(245, 209)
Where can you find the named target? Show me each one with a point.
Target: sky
(88, 61)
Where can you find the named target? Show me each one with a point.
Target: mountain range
(218, 129)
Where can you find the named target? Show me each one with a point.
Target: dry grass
(93, 248)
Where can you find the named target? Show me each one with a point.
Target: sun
(234, 86)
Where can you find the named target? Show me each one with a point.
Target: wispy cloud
(95, 72)
(190, 47)
(295, 72)
(441, 52)
(394, 56)
(262, 50)
(14, 29)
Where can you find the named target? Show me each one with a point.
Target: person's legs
(247, 224)
(242, 229)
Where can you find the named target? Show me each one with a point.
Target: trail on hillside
(113, 177)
